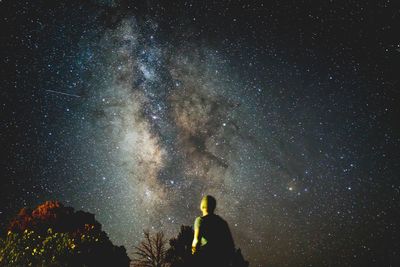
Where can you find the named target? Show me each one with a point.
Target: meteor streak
(62, 93)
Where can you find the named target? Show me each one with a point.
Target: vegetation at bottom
(55, 235)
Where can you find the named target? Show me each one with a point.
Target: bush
(179, 253)
(54, 235)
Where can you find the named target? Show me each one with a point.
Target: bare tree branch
(151, 251)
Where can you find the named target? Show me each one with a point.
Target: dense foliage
(54, 235)
(179, 253)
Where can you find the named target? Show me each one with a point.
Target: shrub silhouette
(179, 253)
(54, 235)
(52, 214)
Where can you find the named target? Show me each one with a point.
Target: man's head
(208, 204)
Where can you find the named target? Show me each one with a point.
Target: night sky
(286, 111)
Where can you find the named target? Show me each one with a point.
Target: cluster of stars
(132, 112)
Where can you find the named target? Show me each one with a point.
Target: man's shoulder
(218, 218)
(197, 222)
(215, 219)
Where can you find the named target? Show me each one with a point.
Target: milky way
(287, 114)
(173, 127)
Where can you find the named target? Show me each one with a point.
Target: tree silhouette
(151, 251)
(54, 235)
(54, 215)
(179, 253)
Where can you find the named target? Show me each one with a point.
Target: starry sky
(286, 111)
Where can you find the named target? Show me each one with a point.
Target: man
(212, 243)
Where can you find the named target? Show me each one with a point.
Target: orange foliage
(53, 214)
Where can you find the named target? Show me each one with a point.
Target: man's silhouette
(212, 243)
